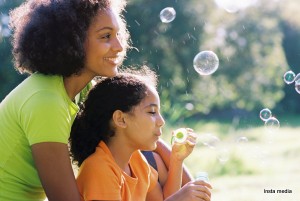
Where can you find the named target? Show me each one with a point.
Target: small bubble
(272, 124)
(265, 114)
(297, 83)
(167, 15)
(289, 77)
(206, 62)
(223, 155)
(297, 86)
(209, 140)
(242, 140)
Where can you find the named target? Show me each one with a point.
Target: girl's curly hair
(92, 124)
(48, 35)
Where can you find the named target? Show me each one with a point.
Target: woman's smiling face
(103, 46)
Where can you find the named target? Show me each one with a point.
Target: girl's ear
(118, 119)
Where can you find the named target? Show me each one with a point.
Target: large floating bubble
(289, 77)
(206, 62)
(167, 15)
(265, 114)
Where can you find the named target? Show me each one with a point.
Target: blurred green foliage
(9, 78)
(255, 46)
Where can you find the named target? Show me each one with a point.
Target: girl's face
(144, 123)
(103, 47)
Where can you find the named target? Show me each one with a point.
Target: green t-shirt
(38, 110)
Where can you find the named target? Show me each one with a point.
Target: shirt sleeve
(45, 117)
(153, 178)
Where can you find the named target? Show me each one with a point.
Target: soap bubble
(209, 140)
(265, 114)
(242, 140)
(297, 78)
(272, 124)
(167, 15)
(206, 62)
(297, 86)
(223, 155)
(297, 83)
(289, 77)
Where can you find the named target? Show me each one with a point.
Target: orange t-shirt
(100, 178)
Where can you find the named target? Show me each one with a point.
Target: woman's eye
(152, 112)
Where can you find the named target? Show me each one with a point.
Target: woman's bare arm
(55, 171)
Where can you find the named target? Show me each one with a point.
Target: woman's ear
(118, 118)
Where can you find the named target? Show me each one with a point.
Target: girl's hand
(193, 191)
(184, 149)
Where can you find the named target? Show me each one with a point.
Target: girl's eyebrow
(151, 105)
(103, 28)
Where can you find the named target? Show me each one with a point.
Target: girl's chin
(150, 148)
(154, 147)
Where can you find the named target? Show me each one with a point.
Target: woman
(120, 117)
(63, 44)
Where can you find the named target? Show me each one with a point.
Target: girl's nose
(160, 121)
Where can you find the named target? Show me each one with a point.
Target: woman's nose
(117, 45)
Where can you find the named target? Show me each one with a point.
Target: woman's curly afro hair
(48, 35)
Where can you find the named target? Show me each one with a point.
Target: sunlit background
(229, 69)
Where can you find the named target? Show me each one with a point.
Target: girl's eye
(106, 36)
(152, 112)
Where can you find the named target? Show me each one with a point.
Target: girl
(120, 117)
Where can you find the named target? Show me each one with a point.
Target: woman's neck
(75, 83)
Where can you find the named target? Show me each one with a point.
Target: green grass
(266, 161)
